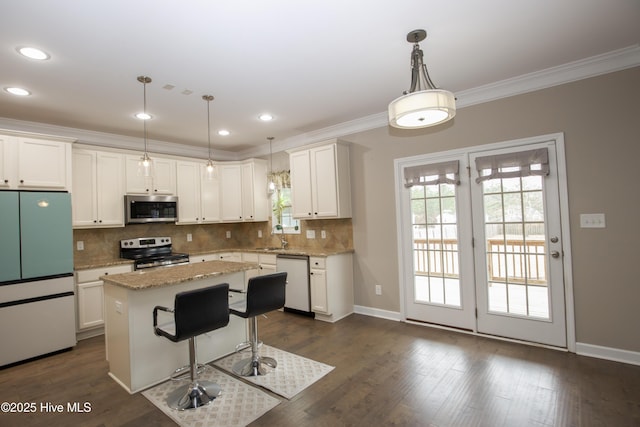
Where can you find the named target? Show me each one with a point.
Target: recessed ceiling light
(17, 91)
(143, 116)
(223, 132)
(266, 117)
(33, 53)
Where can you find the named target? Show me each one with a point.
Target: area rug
(238, 405)
(292, 375)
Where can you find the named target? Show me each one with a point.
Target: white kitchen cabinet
(162, 181)
(320, 181)
(35, 163)
(331, 282)
(98, 189)
(255, 202)
(231, 256)
(199, 201)
(203, 258)
(90, 298)
(266, 264)
(243, 191)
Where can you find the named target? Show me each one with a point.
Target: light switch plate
(80, 245)
(592, 220)
(311, 234)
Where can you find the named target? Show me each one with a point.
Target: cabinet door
(136, 182)
(5, 162)
(110, 189)
(247, 192)
(301, 185)
(209, 197)
(318, 284)
(230, 192)
(84, 207)
(164, 177)
(42, 164)
(90, 305)
(324, 181)
(188, 190)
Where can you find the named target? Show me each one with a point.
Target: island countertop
(159, 277)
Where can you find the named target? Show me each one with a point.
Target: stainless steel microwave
(149, 209)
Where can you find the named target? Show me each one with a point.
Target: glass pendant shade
(145, 166)
(422, 109)
(211, 171)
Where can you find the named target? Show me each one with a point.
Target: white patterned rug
(238, 405)
(292, 375)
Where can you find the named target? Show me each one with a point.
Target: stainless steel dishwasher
(297, 296)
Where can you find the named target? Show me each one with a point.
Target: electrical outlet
(80, 245)
(323, 234)
(118, 307)
(189, 237)
(228, 234)
(259, 234)
(378, 289)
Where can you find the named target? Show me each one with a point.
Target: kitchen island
(137, 357)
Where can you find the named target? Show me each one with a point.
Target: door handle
(555, 254)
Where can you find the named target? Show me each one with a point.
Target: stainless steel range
(150, 252)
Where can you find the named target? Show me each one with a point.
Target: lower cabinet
(90, 299)
(266, 264)
(331, 285)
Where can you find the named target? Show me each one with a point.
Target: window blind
(436, 173)
(512, 165)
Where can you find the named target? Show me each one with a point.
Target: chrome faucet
(283, 241)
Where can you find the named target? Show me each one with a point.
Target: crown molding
(609, 62)
(110, 140)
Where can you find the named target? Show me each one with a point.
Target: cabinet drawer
(317, 262)
(268, 259)
(94, 274)
(250, 257)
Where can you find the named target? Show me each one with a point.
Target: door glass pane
(435, 245)
(515, 242)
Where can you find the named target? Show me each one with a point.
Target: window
(282, 214)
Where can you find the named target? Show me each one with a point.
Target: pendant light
(211, 170)
(423, 105)
(145, 164)
(271, 185)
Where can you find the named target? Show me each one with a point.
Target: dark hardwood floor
(386, 373)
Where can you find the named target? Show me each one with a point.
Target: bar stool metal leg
(198, 392)
(252, 366)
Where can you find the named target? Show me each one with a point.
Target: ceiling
(312, 65)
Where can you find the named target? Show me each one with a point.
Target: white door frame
(405, 259)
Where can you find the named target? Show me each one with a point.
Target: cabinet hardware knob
(22, 181)
(6, 181)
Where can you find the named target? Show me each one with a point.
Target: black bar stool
(264, 294)
(195, 312)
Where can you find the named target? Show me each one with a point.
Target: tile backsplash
(103, 244)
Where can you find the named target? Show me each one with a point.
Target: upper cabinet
(320, 181)
(98, 189)
(198, 195)
(243, 191)
(33, 163)
(163, 180)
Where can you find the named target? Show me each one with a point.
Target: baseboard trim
(376, 312)
(582, 349)
(608, 353)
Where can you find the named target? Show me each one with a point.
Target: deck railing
(516, 259)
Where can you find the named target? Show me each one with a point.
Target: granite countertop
(101, 263)
(154, 278)
(276, 251)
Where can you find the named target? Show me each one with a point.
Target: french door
(482, 242)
